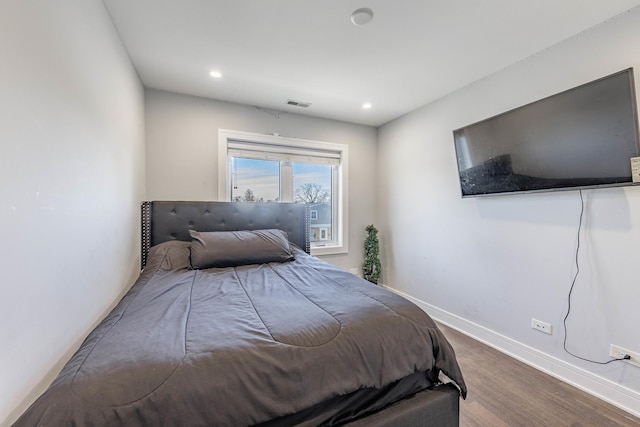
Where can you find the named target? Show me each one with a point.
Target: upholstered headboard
(171, 220)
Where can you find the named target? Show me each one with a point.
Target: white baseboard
(607, 390)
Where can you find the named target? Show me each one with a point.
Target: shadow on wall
(559, 208)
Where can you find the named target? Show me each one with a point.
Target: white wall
(490, 265)
(182, 156)
(71, 180)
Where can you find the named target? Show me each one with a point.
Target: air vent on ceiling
(298, 103)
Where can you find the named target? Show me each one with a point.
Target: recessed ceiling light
(366, 105)
(215, 74)
(362, 16)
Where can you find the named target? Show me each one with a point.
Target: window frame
(340, 206)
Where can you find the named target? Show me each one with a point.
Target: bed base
(437, 407)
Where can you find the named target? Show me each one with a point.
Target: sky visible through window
(306, 173)
(262, 177)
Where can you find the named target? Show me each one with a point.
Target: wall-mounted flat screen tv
(580, 138)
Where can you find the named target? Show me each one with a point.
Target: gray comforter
(240, 346)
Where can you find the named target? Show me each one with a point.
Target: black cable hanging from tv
(573, 283)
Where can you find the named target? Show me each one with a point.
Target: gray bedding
(241, 346)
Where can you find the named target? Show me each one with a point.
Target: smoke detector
(362, 16)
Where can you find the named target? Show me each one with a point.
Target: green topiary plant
(371, 269)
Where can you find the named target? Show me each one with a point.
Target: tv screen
(580, 138)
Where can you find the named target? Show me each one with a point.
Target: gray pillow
(234, 248)
(171, 255)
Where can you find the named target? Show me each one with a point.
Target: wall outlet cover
(541, 326)
(618, 352)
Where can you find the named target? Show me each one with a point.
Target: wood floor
(506, 392)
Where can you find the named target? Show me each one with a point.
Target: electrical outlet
(618, 352)
(541, 326)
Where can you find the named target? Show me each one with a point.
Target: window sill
(329, 250)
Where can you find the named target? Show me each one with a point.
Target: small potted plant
(371, 268)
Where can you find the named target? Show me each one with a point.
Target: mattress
(296, 342)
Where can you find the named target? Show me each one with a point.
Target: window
(255, 180)
(265, 168)
(324, 234)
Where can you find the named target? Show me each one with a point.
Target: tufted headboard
(171, 220)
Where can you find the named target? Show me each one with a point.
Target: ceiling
(411, 53)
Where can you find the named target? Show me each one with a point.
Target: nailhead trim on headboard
(145, 232)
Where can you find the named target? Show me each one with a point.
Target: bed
(232, 322)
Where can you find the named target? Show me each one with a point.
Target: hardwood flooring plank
(506, 392)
